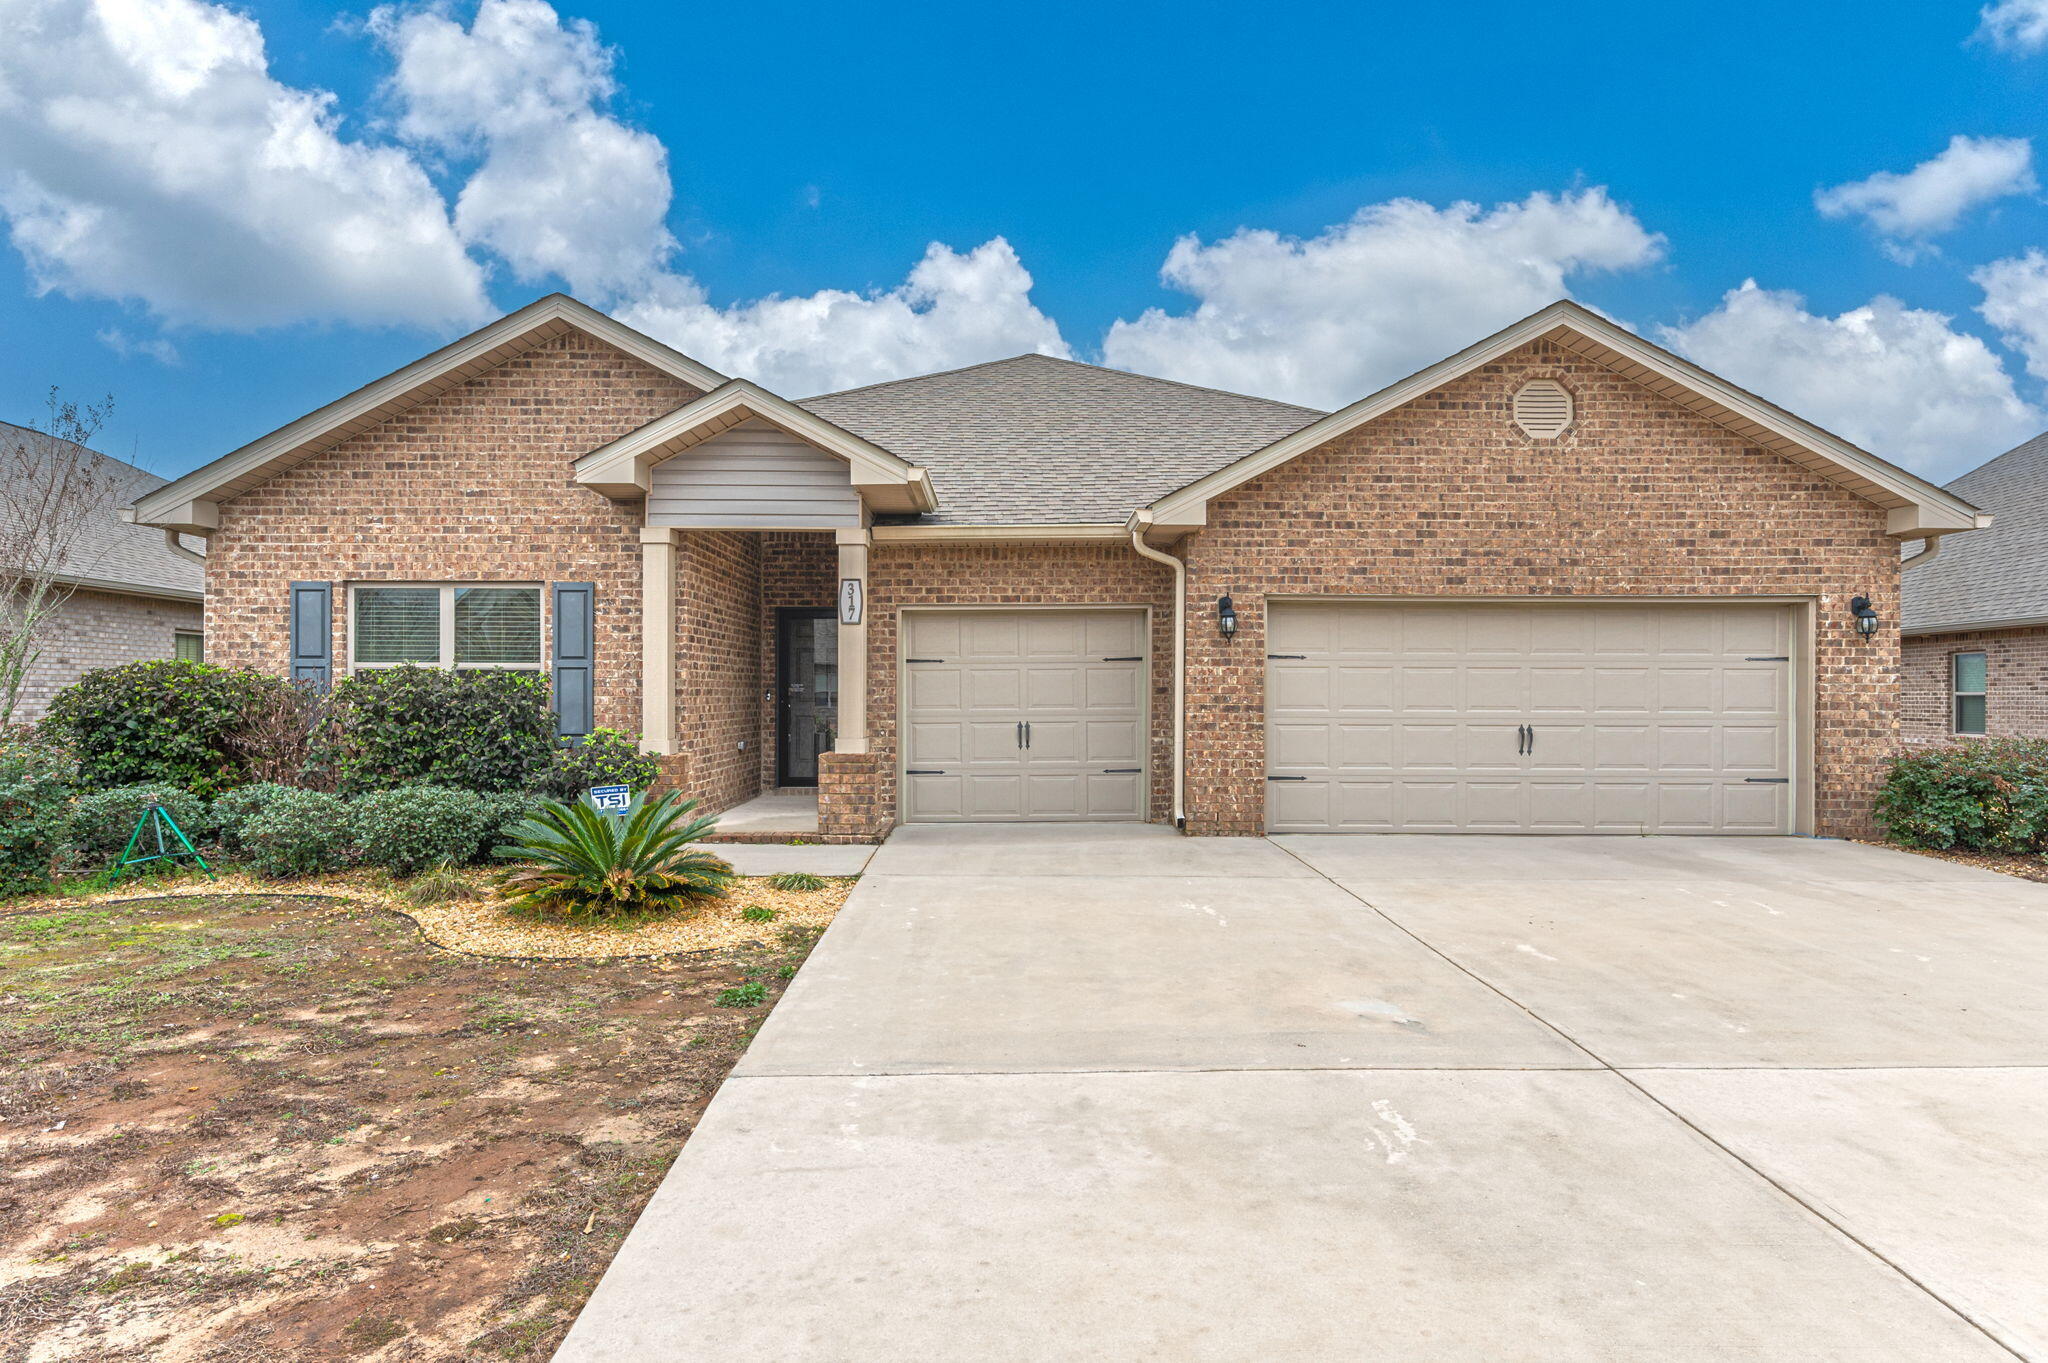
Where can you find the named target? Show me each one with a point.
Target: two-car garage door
(1529, 718)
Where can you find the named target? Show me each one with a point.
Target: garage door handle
(924, 660)
(1287, 778)
(1121, 771)
(1134, 658)
(1303, 657)
(923, 771)
(1768, 780)
(1774, 658)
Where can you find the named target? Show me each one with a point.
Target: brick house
(1975, 615)
(130, 595)
(1562, 581)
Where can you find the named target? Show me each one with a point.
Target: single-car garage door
(1027, 714)
(1529, 718)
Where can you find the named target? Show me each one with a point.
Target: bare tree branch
(53, 493)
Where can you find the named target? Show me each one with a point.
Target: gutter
(1140, 521)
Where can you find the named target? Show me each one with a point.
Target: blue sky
(179, 179)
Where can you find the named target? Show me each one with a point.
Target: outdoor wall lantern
(1866, 617)
(1226, 617)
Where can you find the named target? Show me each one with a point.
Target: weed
(754, 913)
(795, 880)
(442, 884)
(743, 995)
(226, 1219)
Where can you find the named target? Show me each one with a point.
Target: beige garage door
(1509, 718)
(1011, 715)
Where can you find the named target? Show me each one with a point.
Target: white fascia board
(281, 443)
(1186, 507)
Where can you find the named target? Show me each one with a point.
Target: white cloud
(562, 188)
(147, 155)
(953, 310)
(1326, 320)
(1899, 381)
(2015, 25)
(128, 347)
(1933, 196)
(2016, 302)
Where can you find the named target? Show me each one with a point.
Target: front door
(806, 692)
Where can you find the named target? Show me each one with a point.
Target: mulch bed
(240, 1126)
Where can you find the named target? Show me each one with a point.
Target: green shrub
(163, 721)
(409, 829)
(605, 757)
(1987, 796)
(298, 833)
(406, 726)
(102, 820)
(504, 811)
(35, 813)
(575, 861)
(231, 812)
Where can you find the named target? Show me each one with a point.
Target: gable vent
(1543, 408)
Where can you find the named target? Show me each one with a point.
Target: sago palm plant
(572, 860)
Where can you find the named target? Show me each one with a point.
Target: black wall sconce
(1226, 617)
(1866, 616)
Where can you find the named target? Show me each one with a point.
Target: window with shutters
(1543, 408)
(1969, 679)
(463, 625)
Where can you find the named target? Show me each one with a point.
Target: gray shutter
(575, 657)
(313, 633)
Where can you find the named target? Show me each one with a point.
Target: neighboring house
(1976, 615)
(1562, 581)
(130, 596)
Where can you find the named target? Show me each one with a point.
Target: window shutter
(313, 633)
(575, 657)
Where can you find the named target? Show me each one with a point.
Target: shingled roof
(1035, 440)
(109, 554)
(1997, 576)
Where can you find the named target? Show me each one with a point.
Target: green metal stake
(156, 818)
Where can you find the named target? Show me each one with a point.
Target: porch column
(658, 639)
(853, 641)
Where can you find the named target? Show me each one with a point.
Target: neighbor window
(188, 647)
(1969, 679)
(451, 626)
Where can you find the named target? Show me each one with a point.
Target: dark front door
(806, 692)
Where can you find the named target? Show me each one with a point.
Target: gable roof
(2001, 576)
(622, 468)
(1035, 440)
(1918, 508)
(187, 503)
(109, 555)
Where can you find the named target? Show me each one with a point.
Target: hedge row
(1988, 795)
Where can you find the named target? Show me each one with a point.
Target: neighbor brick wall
(473, 485)
(902, 574)
(2016, 683)
(100, 629)
(1446, 497)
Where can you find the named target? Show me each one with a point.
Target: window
(188, 647)
(451, 626)
(1968, 683)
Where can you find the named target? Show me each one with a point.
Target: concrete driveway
(1097, 1092)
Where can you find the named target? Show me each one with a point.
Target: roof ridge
(1078, 364)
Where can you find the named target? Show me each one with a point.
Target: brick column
(658, 639)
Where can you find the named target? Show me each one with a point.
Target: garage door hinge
(1768, 780)
(1287, 778)
(922, 771)
(924, 660)
(1302, 656)
(1776, 658)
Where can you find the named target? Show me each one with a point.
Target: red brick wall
(1446, 497)
(1078, 574)
(474, 485)
(2016, 683)
(799, 568)
(718, 665)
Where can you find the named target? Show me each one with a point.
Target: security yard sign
(611, 799)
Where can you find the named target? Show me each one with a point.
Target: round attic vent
(1543, 408)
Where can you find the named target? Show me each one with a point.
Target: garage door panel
(1645, 718)
(1022, 714)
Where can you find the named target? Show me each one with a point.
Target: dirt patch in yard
(252, 1126)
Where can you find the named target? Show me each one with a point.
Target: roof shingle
(1989, 576)
(108, 549)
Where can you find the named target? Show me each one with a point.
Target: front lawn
(260, 1125)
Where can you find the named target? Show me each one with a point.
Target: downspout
(1139, 521)
(1933, 543)
(171, 543)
